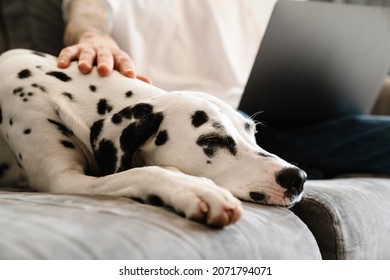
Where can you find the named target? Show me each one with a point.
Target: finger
(144, 79)
(128, 72)
(86, 59)
(66, 56)
(124, 64)
(105, 62)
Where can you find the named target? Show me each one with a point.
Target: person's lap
(349, 144)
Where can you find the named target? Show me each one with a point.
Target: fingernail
(130, 72)
(61, 62)
(104, 70)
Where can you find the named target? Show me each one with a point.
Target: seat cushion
(53, 226)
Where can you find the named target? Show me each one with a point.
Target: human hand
(103, 50)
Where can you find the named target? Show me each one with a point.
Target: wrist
(86, 18)
(75, 36)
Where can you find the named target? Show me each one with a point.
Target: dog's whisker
(262, 124)
(253, 116)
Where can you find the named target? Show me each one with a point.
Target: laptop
(318, 61)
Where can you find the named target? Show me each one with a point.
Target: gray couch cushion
(350, 218)
(49, 226)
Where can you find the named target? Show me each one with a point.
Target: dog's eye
(210, 142)
(215, 139)
(212, 139)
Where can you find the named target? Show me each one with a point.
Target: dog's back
(34, 92)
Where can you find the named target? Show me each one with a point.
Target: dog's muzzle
(292, 179)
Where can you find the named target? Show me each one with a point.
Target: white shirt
(204, 45)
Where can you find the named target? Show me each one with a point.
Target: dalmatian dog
(65, 132)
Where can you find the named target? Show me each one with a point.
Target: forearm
(85, 17)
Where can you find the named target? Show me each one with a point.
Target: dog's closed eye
(211, 142)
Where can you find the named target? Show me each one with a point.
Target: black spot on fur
(67, 144)
(129, 144)
(126, 113)
(4, 167)
(116, 119)
(199, 118)
(162, 138)
(209, 152)
(135, 134)
(59, 75)
(24, 74)
(17, 90)
(30, 94)
(96, 129)
(20, 156)
(256, 196)
(209, 162)
(27, 131)
(92, 88)
(218, 126)
(211, 142)
(103, 107)
(155, 200)
(142, 111)
(264, 155)
(64, 130)
(25, 100)
(129, 93)
(39, 53)
(68, 95)
(126, 161)
(106, 157)
(41, 88)
(11, 122)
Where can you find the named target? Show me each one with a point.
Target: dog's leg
(54, 162)
(197, 198)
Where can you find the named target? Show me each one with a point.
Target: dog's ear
(145, 124)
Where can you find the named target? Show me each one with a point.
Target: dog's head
(202, 136)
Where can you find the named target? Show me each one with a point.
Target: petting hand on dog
(101, 50)
(88, 41)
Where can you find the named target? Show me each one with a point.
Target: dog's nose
(292, 179)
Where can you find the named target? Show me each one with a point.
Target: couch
(341, 218)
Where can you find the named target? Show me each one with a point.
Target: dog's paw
(213, 206)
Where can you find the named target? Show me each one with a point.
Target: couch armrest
(350, 218)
